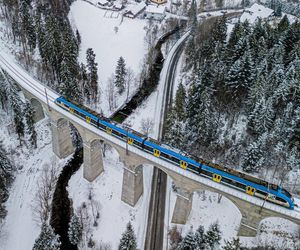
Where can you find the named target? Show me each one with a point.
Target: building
(158, 1)
(155, 12)
(133, 11)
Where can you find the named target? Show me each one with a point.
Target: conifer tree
(47, 239)
(29, 112)
(6, 176)
(120, 75)
(75, 230)
(92, 73)
(200, 238)
(128, 240)
(252, 158)
(180, 102)
(213, 235)
(188, 242)
(234, 244)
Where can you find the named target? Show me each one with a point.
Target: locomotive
(251, 185)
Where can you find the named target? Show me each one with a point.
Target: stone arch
(281, 228)
(208, 200)
(39, 113)
(62, 139)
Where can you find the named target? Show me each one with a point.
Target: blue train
(230, 177)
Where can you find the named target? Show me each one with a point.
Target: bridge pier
(183, 206)
(61, 139)
(39, 113)
(92, 160)
(132, 187)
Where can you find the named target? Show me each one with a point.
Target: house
(134, 10)
(118, 6)
(155, 12)
(102, 3)
(158, 1)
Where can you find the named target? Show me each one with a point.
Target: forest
(238, 101)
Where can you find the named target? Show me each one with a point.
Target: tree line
(47, 41)
(238, 102)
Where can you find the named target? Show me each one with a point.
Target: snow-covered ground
(98, 31)
(106, 193)
(106, 189)
(20, 228)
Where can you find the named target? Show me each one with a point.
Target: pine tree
(29, 112)
(240, 77)
(252, 158)
(128, 240)
(188, 242)
(213, 235)
(75, 230)
(200, 238)
(92, 73)
(232, 245)
(47, 239)
(18, 116)
(283, 24)
(28, 24)
(219, 32)
(6, 177)
(120, 75)
(180, 102)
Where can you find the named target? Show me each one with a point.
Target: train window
(217, 178)
(250, 190)
(88, 119)
(261, 193)
(286, 193)
(156, 153)
(183, 164)
(130, 140)
(108, 130)
(194, 168)
(280, 199)
(206, 173)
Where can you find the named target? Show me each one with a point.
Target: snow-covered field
(98, 31)
(21, 228)
(106, 193)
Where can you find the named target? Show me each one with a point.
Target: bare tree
(46, 185)
(111, 92)
(147, 126)
(129, 79)
(103, 246)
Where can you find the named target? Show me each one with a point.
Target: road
(155, 229)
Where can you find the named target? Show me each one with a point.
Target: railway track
(155, 229)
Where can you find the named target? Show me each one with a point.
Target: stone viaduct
(132, 187)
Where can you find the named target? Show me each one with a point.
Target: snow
(37, 89)
(256, 11)
(159, 9)
(114, 213)
(136, 8)
(277, 232)
(97, 30)
(107, 186)
(206, 210)
(20, 228)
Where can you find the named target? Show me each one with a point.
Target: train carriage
(246, 183)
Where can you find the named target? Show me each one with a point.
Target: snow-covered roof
(135, 9)
(256, 11)
(101, 2)
(156, 9)
(118, 5)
